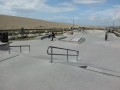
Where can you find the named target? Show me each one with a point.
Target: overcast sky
(84, 12)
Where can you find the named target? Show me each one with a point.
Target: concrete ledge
(78, 40)
(63, 37)
(43, 37)
(4, 46)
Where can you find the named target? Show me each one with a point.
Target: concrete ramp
(96, 32)
(112, 36)
(78, 40)
(93, 68)
(101, 70)
(117, 34)
(84, 32)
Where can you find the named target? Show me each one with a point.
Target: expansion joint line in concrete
(9, 58)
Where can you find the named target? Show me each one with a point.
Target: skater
(106, 36)
(53, 35)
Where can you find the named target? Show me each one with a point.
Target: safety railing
(67, 53)
(20, 46)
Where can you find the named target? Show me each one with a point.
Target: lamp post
(73, 23)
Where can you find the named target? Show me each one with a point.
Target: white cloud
(50, 9)
(58, 18)
(116, 6)
(89, 11)
(30, 6)
(6, 10)
(24, 4)
(16, 6)
(77, 2)
(88, 1)
(106, 15)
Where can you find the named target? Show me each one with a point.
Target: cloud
(78, 2)
(24, 4)
(106, 15)
(29, 6)
(116, 6)
(88, 1)
(59, 18)
(6, 10)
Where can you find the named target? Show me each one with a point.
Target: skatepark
(97, 66)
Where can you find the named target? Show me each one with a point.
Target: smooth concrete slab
(33, 70)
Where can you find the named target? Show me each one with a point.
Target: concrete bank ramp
(117, 33)
(101, 70)
(78, 40)
(85, 32)
(111, 36)
(93, 68)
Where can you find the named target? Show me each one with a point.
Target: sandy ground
(33, 70)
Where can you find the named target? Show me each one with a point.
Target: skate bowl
(61, 38)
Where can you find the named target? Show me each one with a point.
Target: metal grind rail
(67, 52)
(20, 46)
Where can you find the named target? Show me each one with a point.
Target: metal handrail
(20, 47)
(51, 53)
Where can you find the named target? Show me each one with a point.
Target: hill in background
(14, 22)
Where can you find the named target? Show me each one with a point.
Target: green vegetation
(28, 34)
(118, 30)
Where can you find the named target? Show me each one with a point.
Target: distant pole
(119, 22)
(73, 23)
(113, 23)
